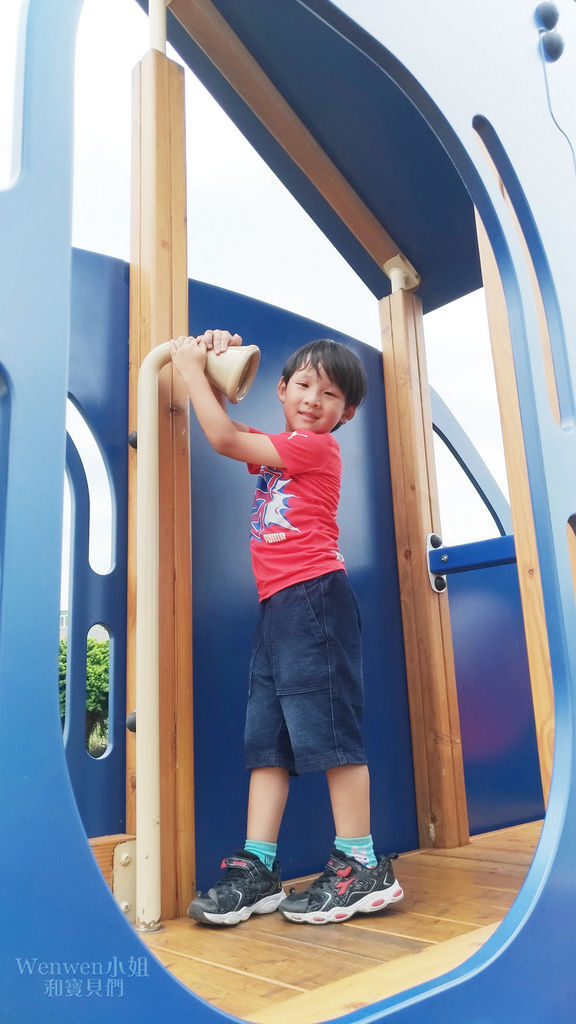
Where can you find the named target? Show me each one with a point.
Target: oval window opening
(97, 689)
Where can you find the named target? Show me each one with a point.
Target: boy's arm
(225, 436)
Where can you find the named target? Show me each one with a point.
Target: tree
(97, 683)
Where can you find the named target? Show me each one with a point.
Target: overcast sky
(248, 234)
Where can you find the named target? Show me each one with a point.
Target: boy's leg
(249, 885)
(349, 787)
(348, 885)
(266, 803)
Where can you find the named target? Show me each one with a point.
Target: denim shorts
(306, 694)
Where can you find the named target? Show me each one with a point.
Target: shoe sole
(266, 906)
(369, 904)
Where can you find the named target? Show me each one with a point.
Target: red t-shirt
(294, 528)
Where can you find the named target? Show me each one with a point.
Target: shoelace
(331, 870)
(234, 871)
(329, 873)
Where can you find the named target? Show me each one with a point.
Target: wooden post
(159, 311)
(435, 724)
(521, 506)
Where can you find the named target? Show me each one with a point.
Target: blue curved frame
(60, 923)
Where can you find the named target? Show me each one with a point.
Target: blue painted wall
(494, 697)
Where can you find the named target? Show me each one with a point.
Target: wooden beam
(159, 311)
(212, 33)
(521, 506)
(438, 764)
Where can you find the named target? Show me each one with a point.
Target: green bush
(97, 677)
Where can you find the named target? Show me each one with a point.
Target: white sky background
(246, 233)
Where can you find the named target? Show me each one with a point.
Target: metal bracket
(437, 581)
(124, 878)
(401, 273)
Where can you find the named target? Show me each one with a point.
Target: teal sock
(265, 851)
(360, 848)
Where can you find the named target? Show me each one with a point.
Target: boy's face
(312, 401)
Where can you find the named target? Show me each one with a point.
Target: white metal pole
(157, 24)
(401, 273)
(398, 279)
(148, 857)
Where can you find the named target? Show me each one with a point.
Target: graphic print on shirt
(271, 504)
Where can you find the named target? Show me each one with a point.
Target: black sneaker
(345, 887)
(247, 887)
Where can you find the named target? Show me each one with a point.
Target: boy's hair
(338, 363)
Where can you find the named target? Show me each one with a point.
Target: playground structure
(470, 147)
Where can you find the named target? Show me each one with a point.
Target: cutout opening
(97, 689)
(12, 33)
(101, 534)
(551, 332)
(460, 502)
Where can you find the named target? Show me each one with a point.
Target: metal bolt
(125, 859)
(125, 907)
(444, 558)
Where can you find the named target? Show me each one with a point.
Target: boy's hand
(188, 354)
(219, 341)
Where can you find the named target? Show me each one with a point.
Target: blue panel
(495, 700)
(98, 384)
(225, 606)
(55, 906)
(374, 134)
(463, 557)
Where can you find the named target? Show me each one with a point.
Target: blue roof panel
(338, 81)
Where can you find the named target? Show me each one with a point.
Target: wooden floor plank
(460, 870)
(378, 983)
(272, 972)
(528, 831)
(431, 892)
(240, 994)
(334, 939)
(502, 855)
(278, 956)
(424, 927)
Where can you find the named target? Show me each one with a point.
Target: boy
(305, 700)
